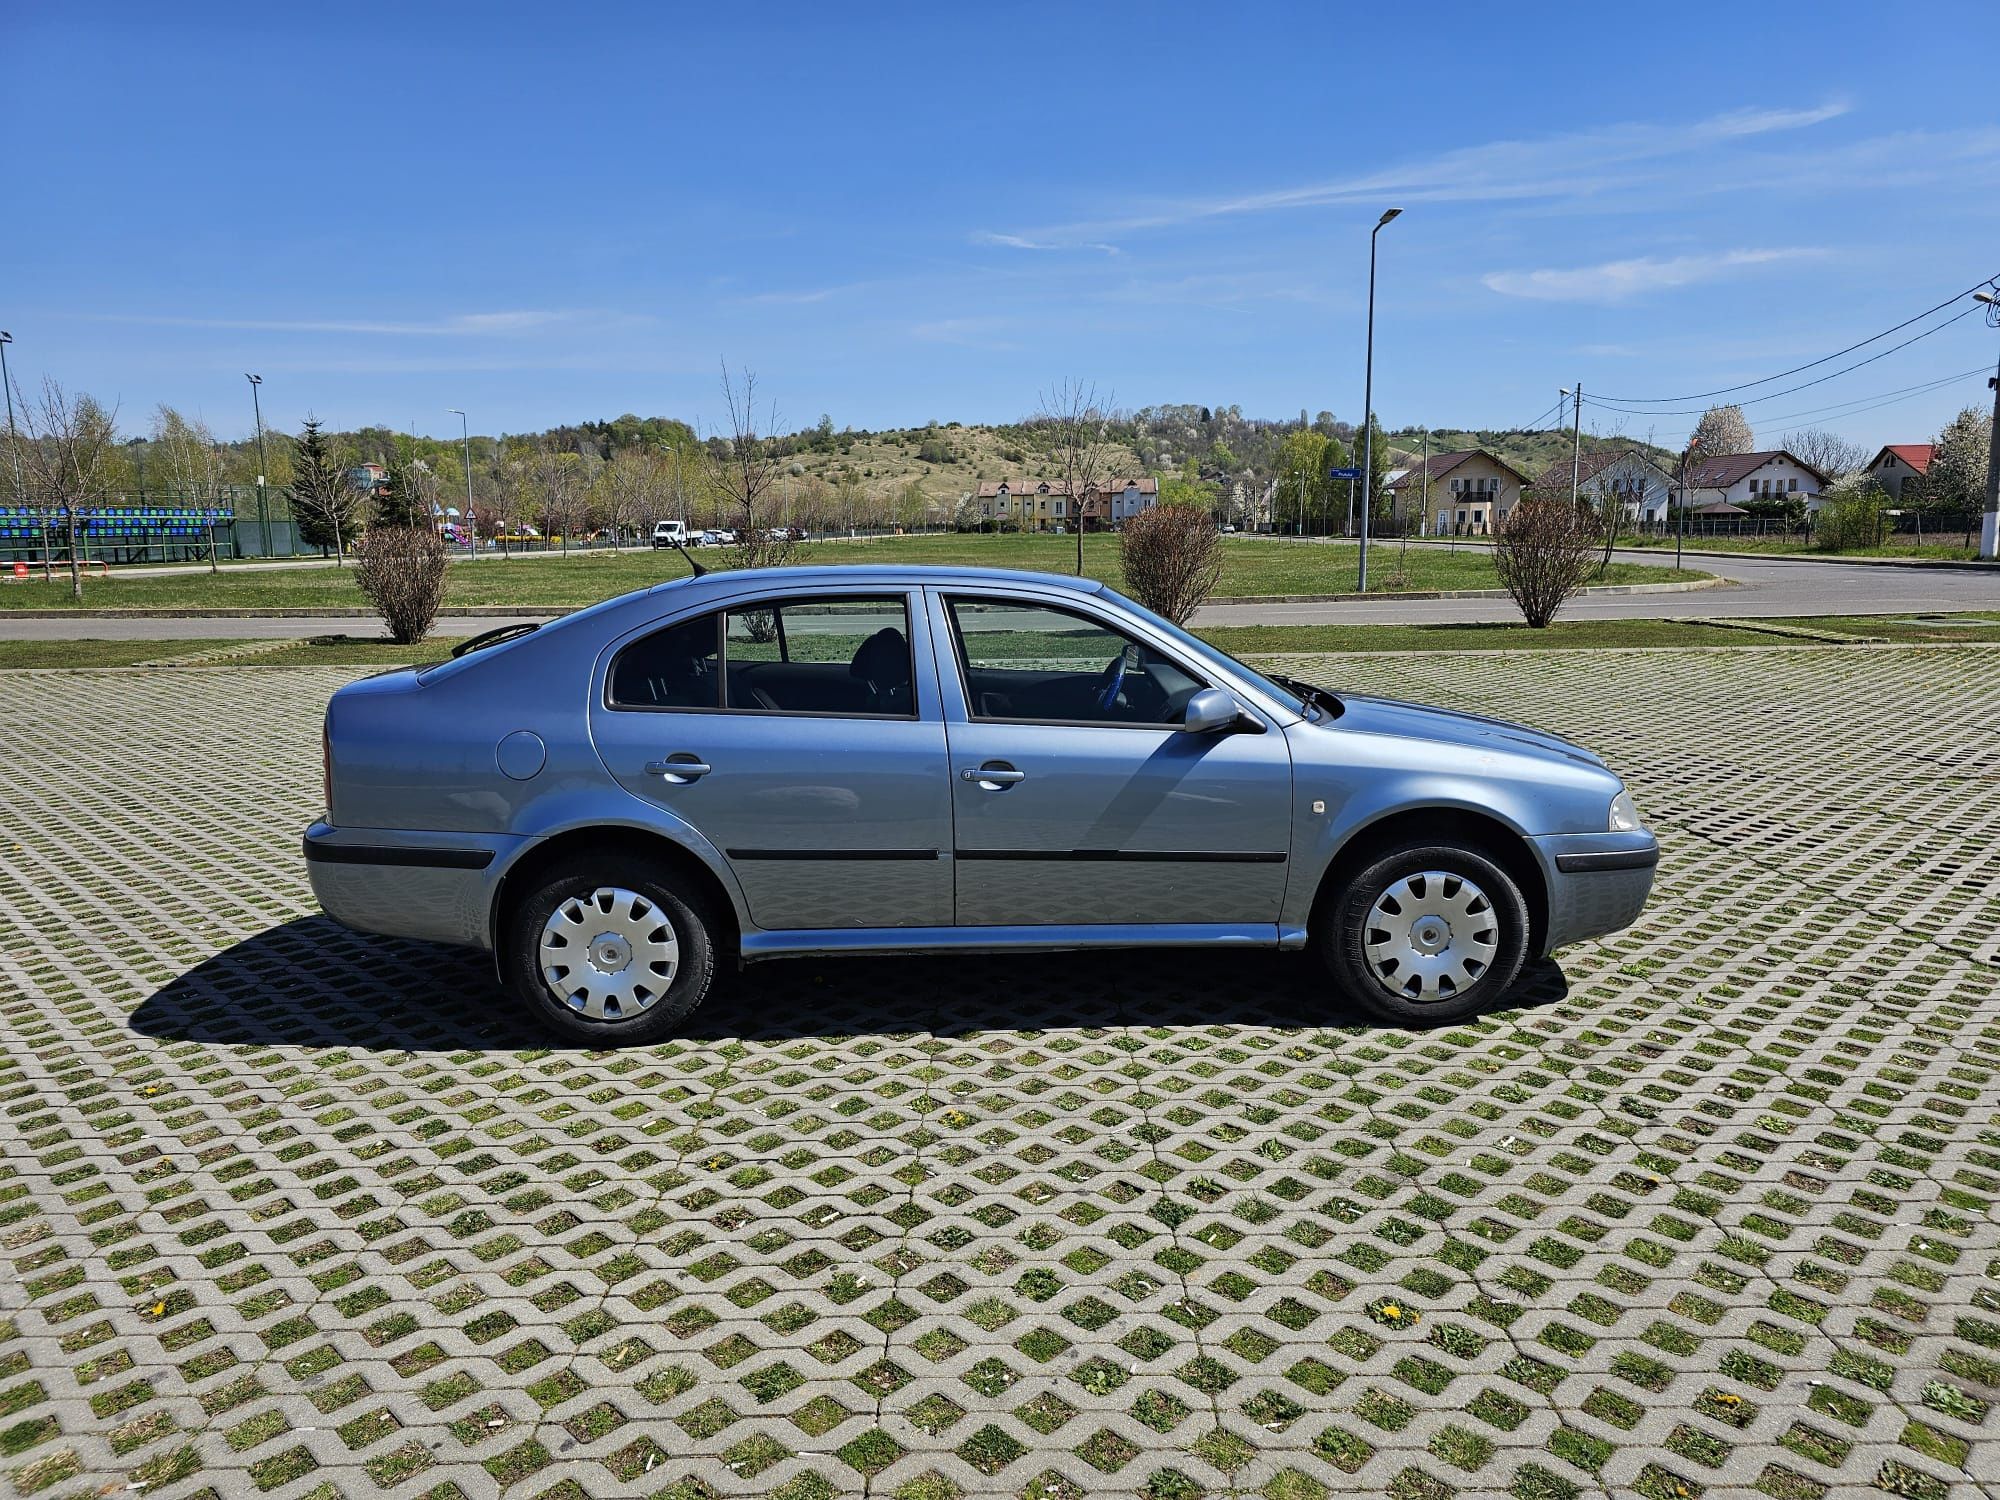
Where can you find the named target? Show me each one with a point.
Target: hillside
(1530, 452)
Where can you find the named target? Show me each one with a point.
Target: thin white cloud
(1616, 280)
(1022, 242)
(463, 325)
(1578, 164)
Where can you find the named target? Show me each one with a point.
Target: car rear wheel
(1427, 934)
(610, 952)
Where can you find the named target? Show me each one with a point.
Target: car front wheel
(1427, 934)
(610, 952)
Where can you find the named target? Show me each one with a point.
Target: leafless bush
(1543, 553)
(740, 468)
(401, 570)
(1172, 557)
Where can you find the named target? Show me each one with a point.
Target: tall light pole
(465, 437)
(1989, 523)
(263, 515)
(1576, 444)
(1368, 404)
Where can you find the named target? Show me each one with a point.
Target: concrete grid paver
(290, 1211)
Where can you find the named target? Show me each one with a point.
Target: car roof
(812, 574)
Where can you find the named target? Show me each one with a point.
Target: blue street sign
(1343, 473)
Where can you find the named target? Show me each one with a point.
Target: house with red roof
(1730, 482)
(1899, 463)
(1624, 476)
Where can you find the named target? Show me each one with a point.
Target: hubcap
(1430, 936)
(609, 955)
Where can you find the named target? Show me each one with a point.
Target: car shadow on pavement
(312, 983)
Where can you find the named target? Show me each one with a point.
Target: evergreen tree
(399, 503)
(325, 504)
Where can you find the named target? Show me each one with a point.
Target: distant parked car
(670, 533)
(837, 760)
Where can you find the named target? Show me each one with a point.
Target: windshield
(1215, 655)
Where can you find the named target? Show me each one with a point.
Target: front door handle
(994, 776)
(679, 768)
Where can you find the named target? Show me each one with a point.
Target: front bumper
(1597, 882)
(404, 883)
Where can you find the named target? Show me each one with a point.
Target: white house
(1624, 474)
(1038, 504)
(1738, 479)
(1470, 492)
(1899, 463)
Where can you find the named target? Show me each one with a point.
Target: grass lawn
(1248, 641)
(1948, 546)
(1251, 567)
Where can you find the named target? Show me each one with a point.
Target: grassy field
(1248, 641)
(1949, 546)
(1251, 567)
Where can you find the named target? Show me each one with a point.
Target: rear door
(801, 735)
(1078, 800)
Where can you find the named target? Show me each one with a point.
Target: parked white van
(670, 533)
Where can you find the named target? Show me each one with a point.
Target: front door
(793, 733)
(1078, 800)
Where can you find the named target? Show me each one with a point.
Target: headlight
(1625, 814)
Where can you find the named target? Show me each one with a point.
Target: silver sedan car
(840, 760)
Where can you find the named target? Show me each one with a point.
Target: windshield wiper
(1324, 699)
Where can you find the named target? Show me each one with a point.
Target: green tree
(399, 503)
(325, 503)
(1956, 479)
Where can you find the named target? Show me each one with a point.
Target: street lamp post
(1368, 404)
(263, 513)
(1989, 523)
(471, 525)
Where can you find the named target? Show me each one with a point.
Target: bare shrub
(1172, 557)
(740, 468)
(1543, 553)
(401, 570)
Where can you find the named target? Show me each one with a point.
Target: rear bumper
(1597, 882)
(404, 883)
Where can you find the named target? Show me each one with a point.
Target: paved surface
(1761, 589)
(290, 1211)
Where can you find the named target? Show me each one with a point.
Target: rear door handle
(993, 778)
(680, 768)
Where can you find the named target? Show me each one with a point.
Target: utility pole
(471, 525)
(1368, 405)
(1989, 523)
(1576, 445)
(1424, 519)
(263, 514)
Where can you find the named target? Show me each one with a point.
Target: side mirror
(1208, 711)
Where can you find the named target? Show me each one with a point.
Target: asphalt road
(1761, 588)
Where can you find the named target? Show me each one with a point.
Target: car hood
(1366, 715)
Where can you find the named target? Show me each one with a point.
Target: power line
(1862, 404)
(1805, 385)
(1813, 364)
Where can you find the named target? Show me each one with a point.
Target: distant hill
(1530, 452)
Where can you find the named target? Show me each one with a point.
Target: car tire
(1426, 935)
(657, 958)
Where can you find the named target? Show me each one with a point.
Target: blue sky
(897, 213)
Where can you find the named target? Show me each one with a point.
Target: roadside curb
(554, 611)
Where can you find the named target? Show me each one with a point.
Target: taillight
(326, 766)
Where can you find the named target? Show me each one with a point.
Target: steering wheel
(1113, 679)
